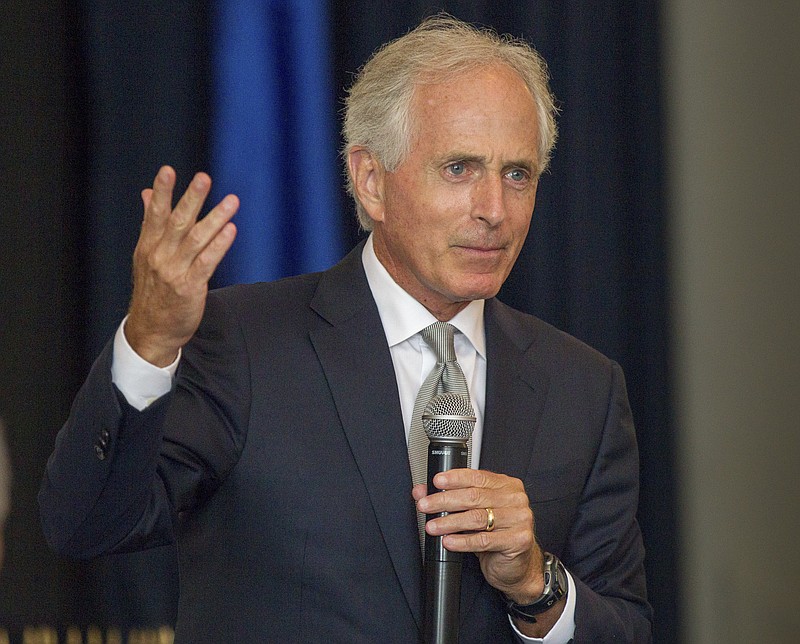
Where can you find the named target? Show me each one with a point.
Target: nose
(488, 201)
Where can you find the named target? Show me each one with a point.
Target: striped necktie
(445, 377)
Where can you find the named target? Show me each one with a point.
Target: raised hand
(175, 257)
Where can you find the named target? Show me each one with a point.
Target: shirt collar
(402, 316)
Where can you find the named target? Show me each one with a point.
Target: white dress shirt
(403, 318)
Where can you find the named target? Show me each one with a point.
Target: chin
(476, 292)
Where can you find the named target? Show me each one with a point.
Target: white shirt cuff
(141, 382)
(563, 630)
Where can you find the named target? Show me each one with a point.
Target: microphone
(448, 421)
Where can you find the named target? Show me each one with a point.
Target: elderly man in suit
(265, 428)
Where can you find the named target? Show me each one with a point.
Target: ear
(367, 174)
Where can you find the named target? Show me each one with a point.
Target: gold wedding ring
(489, 520)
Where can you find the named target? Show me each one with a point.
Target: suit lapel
(352, 349)
(516, 390)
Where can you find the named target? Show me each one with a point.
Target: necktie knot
(440, 337)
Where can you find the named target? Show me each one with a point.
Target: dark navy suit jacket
(278, 463)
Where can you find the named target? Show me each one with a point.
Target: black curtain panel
(40, 282)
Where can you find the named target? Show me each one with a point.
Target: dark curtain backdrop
(98, 95)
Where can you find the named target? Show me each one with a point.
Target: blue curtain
(273, 140)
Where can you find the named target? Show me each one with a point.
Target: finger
(419, 491)
(184, 216)
(150, 232)
(476, 542)
(513, 537)
(449, 501)
(467, 477)
(207, 261)
(158, 208)
(452, 479)
(459, 500)
(477, 520)
(467, 521)
(146, 240)
(204, 231)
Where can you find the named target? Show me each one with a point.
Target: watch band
(555, 588)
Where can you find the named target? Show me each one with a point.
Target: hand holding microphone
(477, 511)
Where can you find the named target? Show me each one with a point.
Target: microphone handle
(442, 567)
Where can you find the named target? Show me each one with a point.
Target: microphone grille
(449, 415)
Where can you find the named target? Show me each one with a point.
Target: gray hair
(378, 106)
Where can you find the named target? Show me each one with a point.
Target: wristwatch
(555, 587)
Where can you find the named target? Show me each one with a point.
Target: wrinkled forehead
(478, 86)
(477, 105)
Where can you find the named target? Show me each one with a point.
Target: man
(265, 427)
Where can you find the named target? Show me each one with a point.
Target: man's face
(454, 215)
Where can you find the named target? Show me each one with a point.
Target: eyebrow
(482, 160)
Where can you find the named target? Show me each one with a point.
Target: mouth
(481, 249)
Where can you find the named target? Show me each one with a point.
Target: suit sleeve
(605, 553)
(119, 478)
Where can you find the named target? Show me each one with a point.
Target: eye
(517, 175)
(457, 169)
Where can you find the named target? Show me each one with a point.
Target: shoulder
(535, 337)
(290, 291)
(253, 312)
(342, 286)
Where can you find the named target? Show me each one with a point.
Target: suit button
(103, 440)
(100, 451)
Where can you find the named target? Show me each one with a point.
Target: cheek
(520, 212)
(522, 223)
